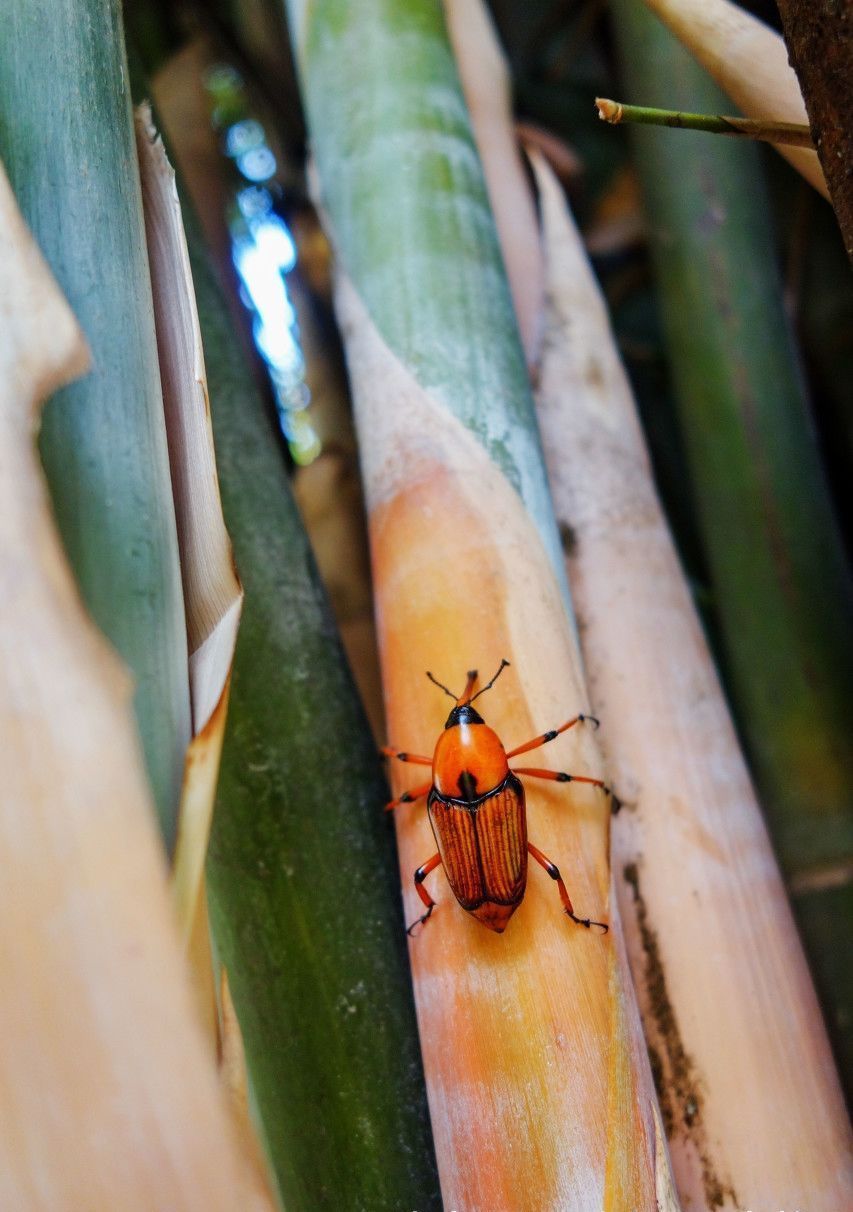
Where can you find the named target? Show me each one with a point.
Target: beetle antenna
(490, 684)
(441, 686)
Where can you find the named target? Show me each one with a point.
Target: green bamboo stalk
(303, 882)
(67, 139)
(780, 583)
(434, 218)
(790, 133)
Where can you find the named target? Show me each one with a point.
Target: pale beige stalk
(749, 1092)
(749, 61)
(212, 593)
(488, 95)
(108, 1099)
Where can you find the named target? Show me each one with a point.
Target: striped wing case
(483, 847)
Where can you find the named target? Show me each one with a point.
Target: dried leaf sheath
(212, 592)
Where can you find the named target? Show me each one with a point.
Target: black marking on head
(562, 777)
(553, 870)
(463, 715)
(420, 875)
(549, 736)
(405, 798)
(467, 784)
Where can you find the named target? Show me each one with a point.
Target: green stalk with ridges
(66, 138)
(414, 247)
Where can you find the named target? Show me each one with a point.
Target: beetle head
(464, 714)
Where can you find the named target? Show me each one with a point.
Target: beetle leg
(560, 776)
(420, 875)
(554, 732)
(554, 872)
(406, 798)
(402, 756)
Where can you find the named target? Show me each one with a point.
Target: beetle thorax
(469, 762)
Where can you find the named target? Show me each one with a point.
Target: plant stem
(790, 133)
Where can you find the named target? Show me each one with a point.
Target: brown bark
(819, 37)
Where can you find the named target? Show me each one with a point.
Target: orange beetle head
(469, 759)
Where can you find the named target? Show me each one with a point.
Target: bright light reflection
(257, 165)
(263, 252)
(243, 137)
(254, 202)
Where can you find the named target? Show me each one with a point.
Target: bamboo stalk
(518, 1031)
(67, 137)
(789, 133)
(781, 587)
(107, 1097)
(749, 62)
(734, 1026)
(301, 872)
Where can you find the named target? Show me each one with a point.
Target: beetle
(477, 810)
